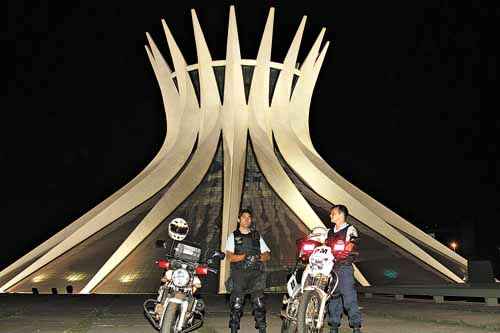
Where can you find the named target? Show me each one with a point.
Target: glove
(253, 258)
(252, 262)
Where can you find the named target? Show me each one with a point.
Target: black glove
(252, 262)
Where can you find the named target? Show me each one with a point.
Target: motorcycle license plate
(291, 285)
(321, 260)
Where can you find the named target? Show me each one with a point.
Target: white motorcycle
(305, 303)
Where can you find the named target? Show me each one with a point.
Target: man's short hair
(243, 211)
(343, 209)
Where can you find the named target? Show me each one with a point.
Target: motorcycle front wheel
(170, 319)
(308, 312)
(288, 326)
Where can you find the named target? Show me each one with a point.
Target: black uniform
(347, 296)
(247, 277)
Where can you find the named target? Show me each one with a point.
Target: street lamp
(454, 246)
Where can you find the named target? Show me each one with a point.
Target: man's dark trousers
(347, 298)
(248, 281)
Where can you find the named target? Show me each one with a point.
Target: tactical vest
(341, 235)
(248, 244)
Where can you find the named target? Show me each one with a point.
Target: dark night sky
(82, 113)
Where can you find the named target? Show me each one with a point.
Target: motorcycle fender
(184, 305)
(323, 294)
(305, 274)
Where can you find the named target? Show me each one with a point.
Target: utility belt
(342, 264)
(251, 263)
(258, 279)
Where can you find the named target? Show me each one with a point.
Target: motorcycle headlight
(180, 277)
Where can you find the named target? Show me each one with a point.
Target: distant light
(454, 245)
(390, 273)
(76, 277)
(39, 278)
(127, 278)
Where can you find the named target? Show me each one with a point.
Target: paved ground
(113, 314)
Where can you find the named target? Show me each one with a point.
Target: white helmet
(319, 234)
(178, 229)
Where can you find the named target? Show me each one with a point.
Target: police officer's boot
(236, 312)
(356, 330)
(259, 312)
(334, 330)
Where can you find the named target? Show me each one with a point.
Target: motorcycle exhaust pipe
(195, 326)
(150, 313)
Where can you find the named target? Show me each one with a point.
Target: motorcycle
(305, 302)
(176, 309)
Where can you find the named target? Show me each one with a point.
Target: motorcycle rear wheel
(308, 311)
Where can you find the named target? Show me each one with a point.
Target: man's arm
(352, 238)
(235, 257)
(265, 252)
(230, 250)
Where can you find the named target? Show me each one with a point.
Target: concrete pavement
(122, 313)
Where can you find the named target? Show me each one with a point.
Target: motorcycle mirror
(160, 243)
(218, 254)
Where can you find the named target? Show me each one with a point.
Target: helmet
(319, 234)
(178, 229)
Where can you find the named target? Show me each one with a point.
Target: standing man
(247, 252)
(345, 236)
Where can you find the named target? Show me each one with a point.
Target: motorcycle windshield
(187, 252)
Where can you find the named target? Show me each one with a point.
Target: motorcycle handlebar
(161, 243)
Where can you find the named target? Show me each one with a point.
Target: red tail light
(340, 249)
(306, 248)
(201, 270)
(339, 245)
(163, 264)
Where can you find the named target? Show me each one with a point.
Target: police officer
(246, 251)
(346, 236)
